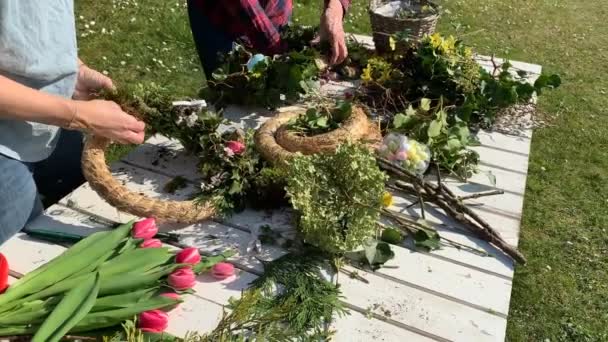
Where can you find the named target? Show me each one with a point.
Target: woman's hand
(107, 119)
(89, 82)
(332, 30)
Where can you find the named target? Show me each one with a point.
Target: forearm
(344, 3)
(18, 102)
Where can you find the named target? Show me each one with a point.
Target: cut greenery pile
(436, 86)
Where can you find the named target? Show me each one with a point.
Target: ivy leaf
(410, 111)
(219, 75)
(425, 104)
(427, 239)
(377, 253)
(322, 122)
(435, 128)
(370, 250)
(400, 120)
(506, 66)
(235, 188)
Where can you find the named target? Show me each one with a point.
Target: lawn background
(562, 294)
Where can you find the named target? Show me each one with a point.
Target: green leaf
(454, 144)
(377, 253)
(425, 104)
(141, 259)
(236, 188)
(410, 111)
(369, 248)
(427, 239)
(87, 253)
(392, 236)
(384, 253)
(109, 318)
(400, 120)
(123, 300)
(30, 312)
(219, 75)
(435, 128)
(72, 309)
(322, 122)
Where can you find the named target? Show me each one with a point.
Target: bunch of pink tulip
(182, 279)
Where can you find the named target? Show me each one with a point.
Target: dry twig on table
(442, 196)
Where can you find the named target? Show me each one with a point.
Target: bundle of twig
(453, 205)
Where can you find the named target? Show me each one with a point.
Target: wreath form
(277, 144)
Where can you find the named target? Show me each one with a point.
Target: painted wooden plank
(195, 314)
(25, 254)
(439, 317)
(356, 327)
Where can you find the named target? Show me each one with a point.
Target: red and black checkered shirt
(257, 20)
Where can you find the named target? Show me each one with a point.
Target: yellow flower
(436, 40)
(448, 45)
(366, 76)
(468, 52)
(387, 199)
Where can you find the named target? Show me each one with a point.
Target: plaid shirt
(257, 20)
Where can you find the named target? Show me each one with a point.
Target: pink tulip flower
(236, 147)
(153, 321)
(188, 255)
(170, 295)
(182, 279)
(145, 229)
(222, 270)
(151, 243)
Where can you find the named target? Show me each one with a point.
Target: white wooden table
(446, 295)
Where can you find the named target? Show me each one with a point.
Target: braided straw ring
(277, 143)
(101, 180)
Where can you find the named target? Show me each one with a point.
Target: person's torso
(225, 12)
(38, 50)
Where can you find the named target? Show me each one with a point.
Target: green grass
(562, 294)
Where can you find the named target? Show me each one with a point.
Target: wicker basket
(116, 194)
(277, 144)
(384, 26)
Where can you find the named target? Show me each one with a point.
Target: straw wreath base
(101, 180)
(277, 143)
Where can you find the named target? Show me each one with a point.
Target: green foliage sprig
(290, 301)
(338, 197)
(275, 81)
(322, 118)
